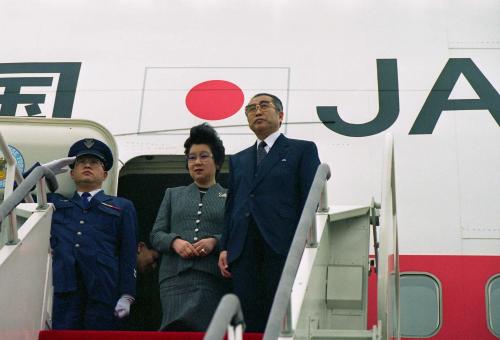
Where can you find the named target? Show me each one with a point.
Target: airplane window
(493, 305)
(420, 305)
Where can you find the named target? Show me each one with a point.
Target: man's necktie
(85, 200)
(261, 152)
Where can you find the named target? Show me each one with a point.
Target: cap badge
(89, 143)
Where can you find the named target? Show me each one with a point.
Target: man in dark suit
(268, 186)
(93, 246)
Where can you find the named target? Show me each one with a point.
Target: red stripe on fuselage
(463, 283)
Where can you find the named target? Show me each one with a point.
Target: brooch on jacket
(111, 206)
(222, 194)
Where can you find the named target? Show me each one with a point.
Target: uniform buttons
(197, 229)
(247, 214)
(79, 233)
(197, 221)
(82, 222)
(77, 245)
(199, 212)
(195, 238)
(252, 195)
(200, 204)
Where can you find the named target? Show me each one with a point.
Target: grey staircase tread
(342, 334)
(348, 211)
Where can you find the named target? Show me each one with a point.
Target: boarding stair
(323, 292)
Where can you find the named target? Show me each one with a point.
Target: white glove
(122, 308)
(60, 166)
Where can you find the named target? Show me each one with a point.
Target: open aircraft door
(25, 262)
(388, 265)
(43, 139)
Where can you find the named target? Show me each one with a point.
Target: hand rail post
(312, 235)
(228, 317)
(286, 325)
(323, 201)
(41, 195)
(12, 229)
(235, 333)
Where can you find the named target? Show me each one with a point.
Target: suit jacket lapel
(100, 197)
(249, 156)
(193, 193)
(275, 155)
(77, 199)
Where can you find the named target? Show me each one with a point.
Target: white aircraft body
(348, 72)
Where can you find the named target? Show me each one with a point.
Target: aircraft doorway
(143, 180)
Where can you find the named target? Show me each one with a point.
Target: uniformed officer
(93, 246)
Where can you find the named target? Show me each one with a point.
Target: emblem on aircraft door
(3, 164)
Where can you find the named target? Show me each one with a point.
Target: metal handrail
(228, 313)
(375, 222)
(23, 190)
(388, 304)
(316, 201)
(11, 166)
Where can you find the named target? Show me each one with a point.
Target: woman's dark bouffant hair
(205, 134)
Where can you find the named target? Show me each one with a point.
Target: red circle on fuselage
(214, 99)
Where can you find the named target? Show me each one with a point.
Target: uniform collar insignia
(111, 206)
(222, 194)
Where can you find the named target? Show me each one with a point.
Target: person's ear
(140, 246)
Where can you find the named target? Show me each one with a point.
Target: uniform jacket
(183, 215)
(273, 194)
(101, 242)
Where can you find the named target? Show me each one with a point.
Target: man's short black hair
(205, 134)
(276, 101)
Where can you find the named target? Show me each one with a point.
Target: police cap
(92, 147)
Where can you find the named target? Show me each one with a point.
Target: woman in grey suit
(187, 232)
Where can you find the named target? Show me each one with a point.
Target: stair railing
(22, 193)
(35, 178)
(228, 317)
(280, 317)
(12, 171)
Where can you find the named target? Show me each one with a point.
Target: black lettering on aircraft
(12, 96)
(388, 98)
(437, 101)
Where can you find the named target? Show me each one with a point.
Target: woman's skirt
(189, 300)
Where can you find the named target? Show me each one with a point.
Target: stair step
(126, 335)
(339, 334)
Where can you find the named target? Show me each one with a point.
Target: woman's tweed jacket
(183, 215)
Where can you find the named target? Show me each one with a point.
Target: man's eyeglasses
(203, 156)
(264, 105)
(92, 161)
